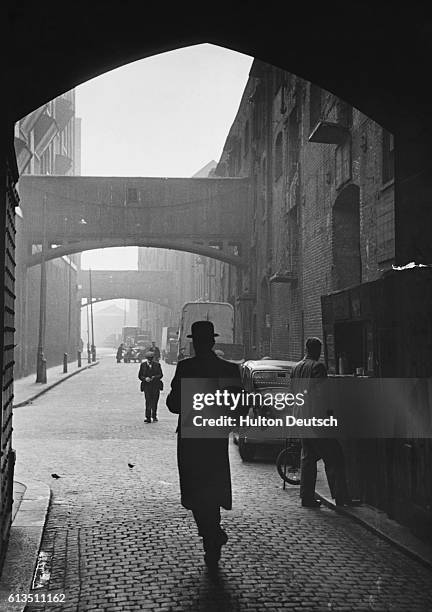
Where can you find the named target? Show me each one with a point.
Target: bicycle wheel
(288, 465)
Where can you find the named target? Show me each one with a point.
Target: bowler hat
(202, 329)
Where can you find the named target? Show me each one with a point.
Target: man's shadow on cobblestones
(215, 594)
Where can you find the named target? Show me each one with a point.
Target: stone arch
(169, 305)
(79, 247)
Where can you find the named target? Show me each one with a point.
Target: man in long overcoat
(150, 375)
(119, 354)
(203, 463)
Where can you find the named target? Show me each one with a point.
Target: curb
(412, 547)
(24, 545)
(50, 386)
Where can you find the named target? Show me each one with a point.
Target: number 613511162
(37, 598)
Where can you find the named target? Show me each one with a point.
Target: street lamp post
(41, 374)
(69, 321)
(93, 347)
(88, 334)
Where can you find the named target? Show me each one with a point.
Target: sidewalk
(378, 522)
(31, 502)
(26, 389)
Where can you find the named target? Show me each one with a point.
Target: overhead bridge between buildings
(153, 286)
(73, 214)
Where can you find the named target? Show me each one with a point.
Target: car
(269, 376)
(132, 354)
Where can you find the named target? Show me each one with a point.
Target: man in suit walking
(314, 449)
(150, 375)
(203, 463)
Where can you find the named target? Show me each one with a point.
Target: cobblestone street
(117, 537)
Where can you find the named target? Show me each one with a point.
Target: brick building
(152, 317)
(322, 206)
(48, 141)
(320, 262)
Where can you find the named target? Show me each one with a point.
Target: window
(293, 143)
(387, 156)
(385, 226)
(292, 244)
(258, 117)
(343, 163)
(344, 114)
(278, 156)
(45, 162)
(283, 106)
(246, 138)
(132, 195)
(277, 80)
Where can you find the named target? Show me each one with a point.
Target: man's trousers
(330, 450)
(207, 518)
(151, 394)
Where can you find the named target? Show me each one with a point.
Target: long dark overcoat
(203, 464)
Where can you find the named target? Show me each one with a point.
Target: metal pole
(41, 375)
(88, 334)
(93, 347)
(69, 322)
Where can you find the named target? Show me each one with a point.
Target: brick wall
(153, 316)
(57, 317)
(344, 211)
(9, 198)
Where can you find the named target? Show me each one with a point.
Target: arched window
(278, 163)
(246, 138)
(387, 156)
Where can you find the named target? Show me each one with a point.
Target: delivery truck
(221, 314)
(169, 344)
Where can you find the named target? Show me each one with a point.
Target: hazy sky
(167, 115)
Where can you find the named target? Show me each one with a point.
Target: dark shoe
(212, 564)
(155, 419)
(212, 549)
(212, 556)
(147, 420)
(311, 503)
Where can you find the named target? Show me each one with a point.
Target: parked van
(221, 314)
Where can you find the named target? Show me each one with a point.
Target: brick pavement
(118, 539)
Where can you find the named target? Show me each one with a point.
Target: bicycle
(288, 462)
